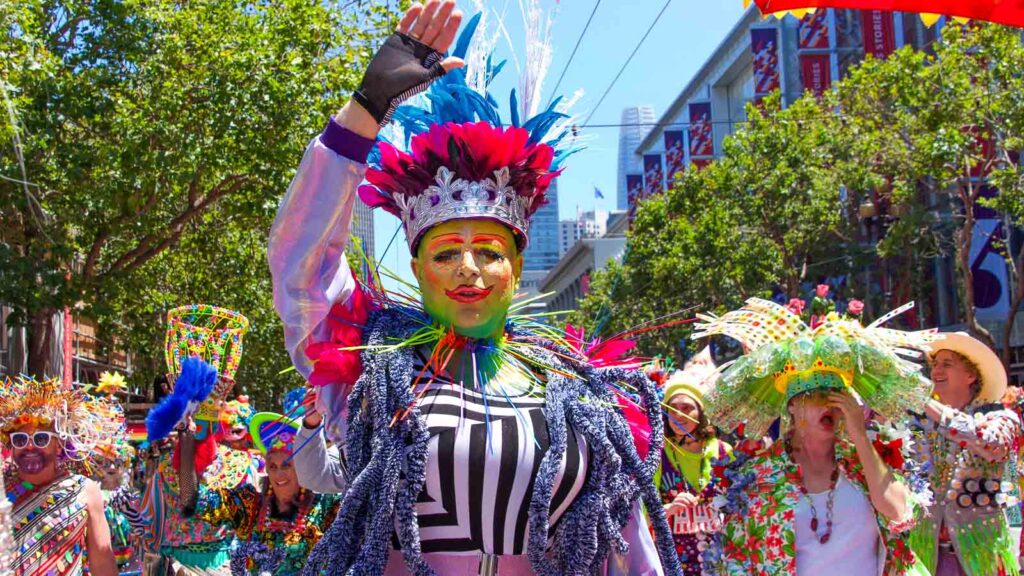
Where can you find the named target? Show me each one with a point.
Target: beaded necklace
(829, 501)
(266, 523)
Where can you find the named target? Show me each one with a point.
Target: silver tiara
(491, 199)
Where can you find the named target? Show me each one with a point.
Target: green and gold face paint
(468, 272)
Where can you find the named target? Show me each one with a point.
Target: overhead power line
(626, 63)
(573, 55)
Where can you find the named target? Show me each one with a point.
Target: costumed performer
(113, 461)
(434, 400)
(59, 525)
(234, 424)
(818, 499)
(684, 478)
(969, 437)
(277, 524)
(204, 347)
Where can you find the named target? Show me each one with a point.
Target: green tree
(768, 212)
(928, 127)
(147, 146)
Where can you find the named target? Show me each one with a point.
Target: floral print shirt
(278, 544)
(759, 499)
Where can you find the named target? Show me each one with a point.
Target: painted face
(468, 272)
(30, 458)
(683, 415)
(281, 474)
(952, 378)
(812, 415)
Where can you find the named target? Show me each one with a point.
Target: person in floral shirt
(277, 524)
(827, 495)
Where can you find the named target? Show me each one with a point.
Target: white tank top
(853, 548)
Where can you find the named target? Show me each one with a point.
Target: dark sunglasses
(40, 439)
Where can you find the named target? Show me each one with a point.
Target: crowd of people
(451, 435)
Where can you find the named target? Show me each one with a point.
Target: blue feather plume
(193, 385)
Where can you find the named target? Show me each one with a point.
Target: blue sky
(678, 45)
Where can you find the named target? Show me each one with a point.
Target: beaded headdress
(785, 357)
(237, 413)
(272, 432)
(82, 421)
(115, 449)
(460, 161)
(213, 335)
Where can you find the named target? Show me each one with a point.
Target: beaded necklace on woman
(824, 537)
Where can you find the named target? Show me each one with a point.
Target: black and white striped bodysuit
(481, 465)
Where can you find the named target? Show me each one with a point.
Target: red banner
(1000, 11)
(812, 34)
(675, 157)
(879, 35)
(702, 137)
(816, 72)
(654, 175)
(764, 46)
(634, 191)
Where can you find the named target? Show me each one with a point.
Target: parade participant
(234, 424)
(489, 443)
(204, 347)
(110, 464)
(684, 478)
(818, 499)
(276, 525)
(112, 460)
(969, 436)
(59, 524)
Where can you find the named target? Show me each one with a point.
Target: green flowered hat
(785, 358)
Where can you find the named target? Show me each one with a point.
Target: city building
(601, 236)
(362, 228)
(74, 337)
(542, 253)
(569, 281)
(590, 224)
(635, 123)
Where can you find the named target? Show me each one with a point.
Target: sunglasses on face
(39, 439)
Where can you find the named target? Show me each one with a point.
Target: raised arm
(887, 492)
(319, 469)
(310, 232)
(989, 435)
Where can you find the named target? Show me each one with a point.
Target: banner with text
(879, 33)
(816, 72)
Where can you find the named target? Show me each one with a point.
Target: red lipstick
(467, 294)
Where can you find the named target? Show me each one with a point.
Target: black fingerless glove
(401, 68)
